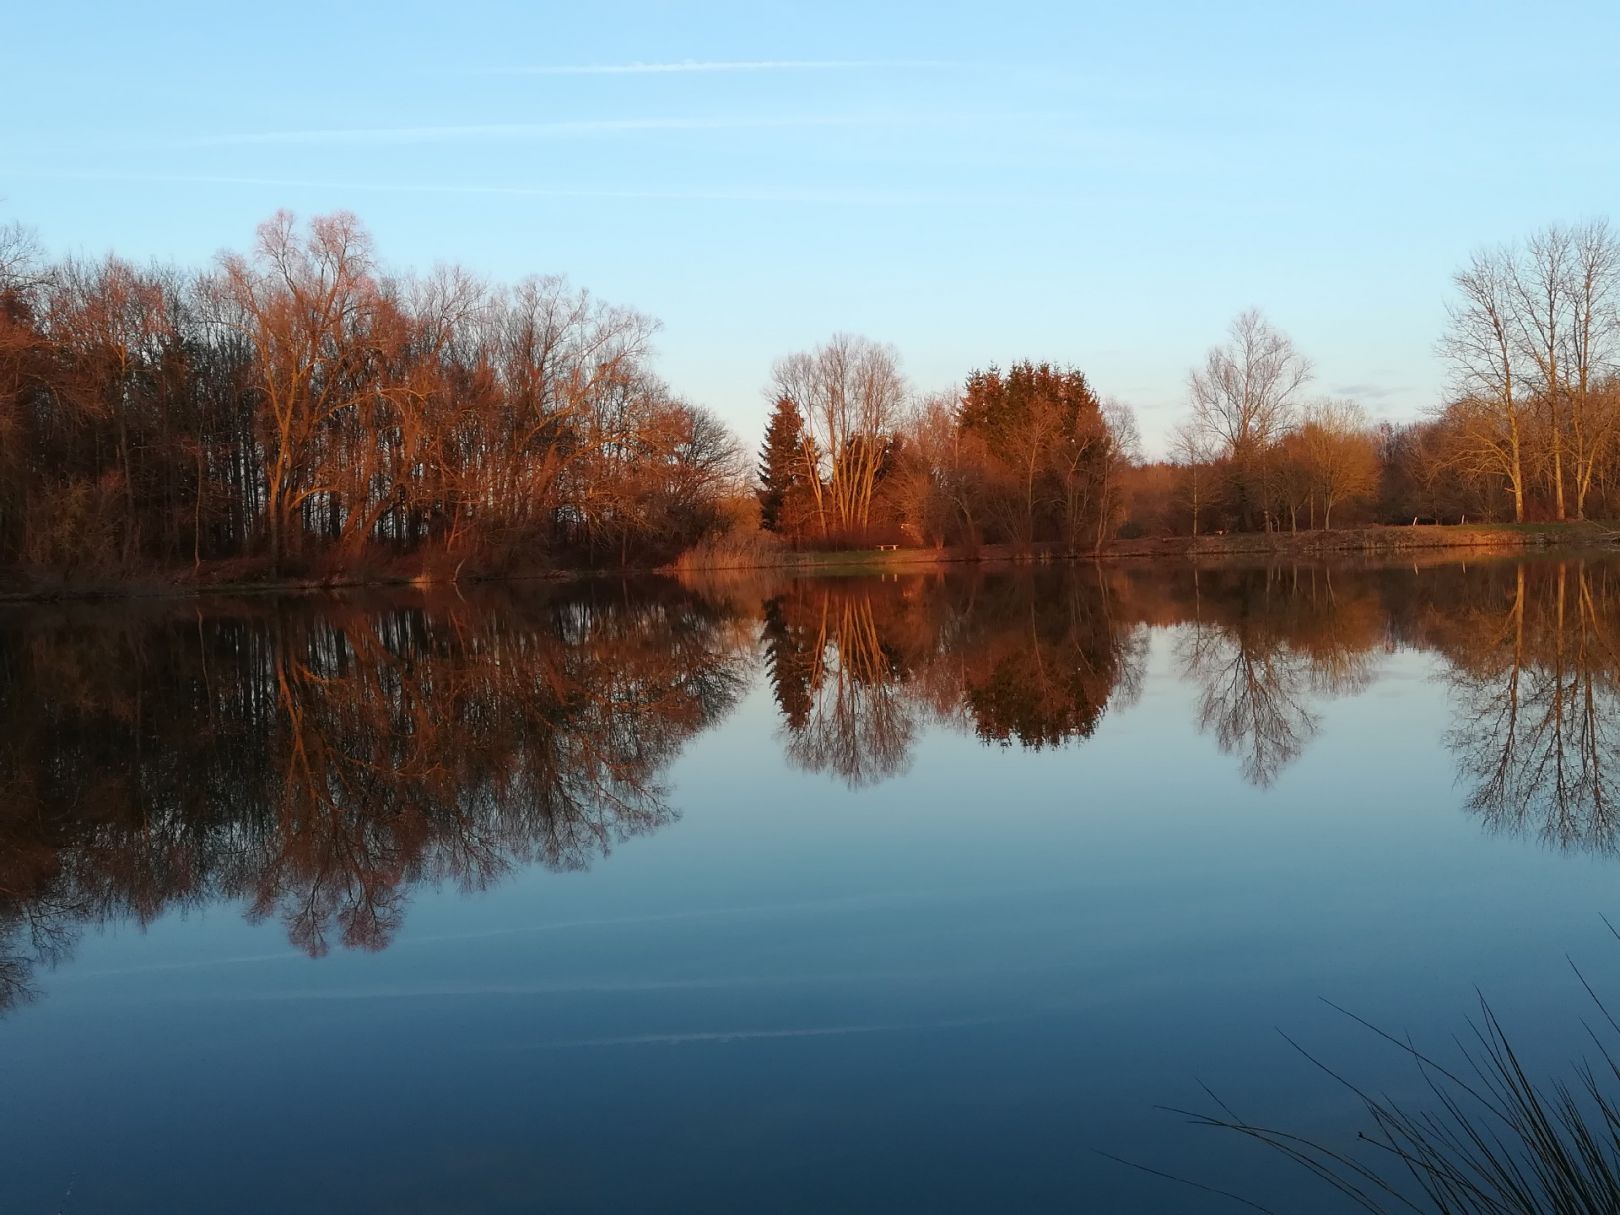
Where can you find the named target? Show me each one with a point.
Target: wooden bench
(888, 548)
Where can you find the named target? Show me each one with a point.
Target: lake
(907, 892)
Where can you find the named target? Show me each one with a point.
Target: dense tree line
(296, 405)
(297, 408)
(1024, 456)
(1529, 429)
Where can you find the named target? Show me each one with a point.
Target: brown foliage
(301, 405)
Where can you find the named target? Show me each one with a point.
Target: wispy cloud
(1369, 391)
(719, 65)
(753, 1035)
(738, 194)
(568, 129)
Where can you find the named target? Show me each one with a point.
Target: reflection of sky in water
(936, 991)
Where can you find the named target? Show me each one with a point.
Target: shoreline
(1361, 541)
(1500, 538)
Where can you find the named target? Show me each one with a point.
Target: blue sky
(1098, 184)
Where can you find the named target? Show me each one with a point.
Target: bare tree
(1122, 447)
(1243, 398)
(116, 322)
(1192, 450)
(851, 394)
(302, 300)
(1540, 281)
(938, 491)
(21, 258)
(1591, 338)
(1481, 345)
(1341, 459)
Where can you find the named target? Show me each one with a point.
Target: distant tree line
(1529, 429)
(1533, 340)
(298, 406)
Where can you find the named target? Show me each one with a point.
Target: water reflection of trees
(839, 681)
(1264, 645)
(316, 763)
(1531, 651)
(1536, 676)
(1037, 659)
(855, 665)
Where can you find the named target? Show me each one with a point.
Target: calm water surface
(901, 894)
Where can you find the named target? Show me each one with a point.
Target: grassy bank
(239, 578)
(1502, 537)
(1486, 536)
(245, 578)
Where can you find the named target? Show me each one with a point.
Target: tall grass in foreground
(1493, 1141)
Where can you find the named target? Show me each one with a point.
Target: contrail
(739, 194)
(719, 65)
(564, 129)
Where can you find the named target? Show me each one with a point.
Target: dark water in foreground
(858, 895)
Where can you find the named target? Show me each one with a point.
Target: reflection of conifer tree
(1010, 657)
(786, 665)
(860, 722)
